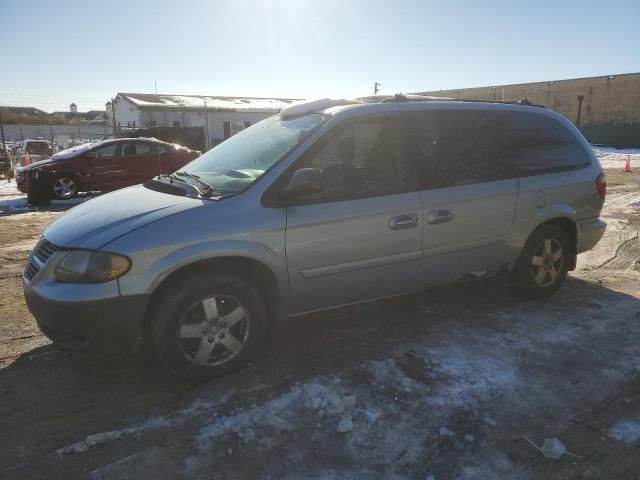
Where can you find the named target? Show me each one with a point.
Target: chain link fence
(24, 143)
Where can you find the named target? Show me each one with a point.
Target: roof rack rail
(400, 97)
(524, 101)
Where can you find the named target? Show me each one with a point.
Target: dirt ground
(447, 383)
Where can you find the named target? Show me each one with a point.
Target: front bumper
(21, 182)
(590, 231)
(107, 324)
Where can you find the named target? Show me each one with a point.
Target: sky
(56, 52)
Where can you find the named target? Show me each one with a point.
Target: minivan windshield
(237, 162)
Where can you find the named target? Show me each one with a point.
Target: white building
(221, 117)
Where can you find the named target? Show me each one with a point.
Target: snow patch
(74, 151)
(279, 414)
(180, 417)
(613, 158)
(627, 431)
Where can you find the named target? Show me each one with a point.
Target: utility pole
(113, 115)
(580, 100)
(376, 88)
(4, 144)
(206, 121)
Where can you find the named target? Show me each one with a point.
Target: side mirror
(302, 181)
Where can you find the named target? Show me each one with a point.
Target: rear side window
(462, 147)
(539, 144)
(158, 148)
(143, 148)
(37, 147)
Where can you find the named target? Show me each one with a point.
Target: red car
(108, 165)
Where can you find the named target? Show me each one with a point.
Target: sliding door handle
(440, 216)
(403, 221)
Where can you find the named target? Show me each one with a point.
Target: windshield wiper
(208, 190)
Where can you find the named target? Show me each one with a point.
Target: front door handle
(403, 221)
(440, 216)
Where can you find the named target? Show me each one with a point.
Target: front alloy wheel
(64, 188)
(213, 330)
(206, 325)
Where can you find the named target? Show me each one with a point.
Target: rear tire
(207, 326)
(543, 263)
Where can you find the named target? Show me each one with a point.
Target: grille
(44, 249)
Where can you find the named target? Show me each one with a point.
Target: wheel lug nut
(221, 335)
(223, 324)
(211, 339)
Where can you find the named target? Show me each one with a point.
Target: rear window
(461, 147)
(37, 147)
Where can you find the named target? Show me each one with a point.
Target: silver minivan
(328, 204)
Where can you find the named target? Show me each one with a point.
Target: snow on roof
(303, 107)
(253, 104)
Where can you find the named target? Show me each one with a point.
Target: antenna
(155, 85)
(376, 87)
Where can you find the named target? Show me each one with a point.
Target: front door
(105, 169)
(359, 236)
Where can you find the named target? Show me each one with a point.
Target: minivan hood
(97, 222)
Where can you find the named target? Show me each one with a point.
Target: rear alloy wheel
(64, 188)
(208, 325)
(547, 262)
(543, 263)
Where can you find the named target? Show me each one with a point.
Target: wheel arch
(569, 226)
(70, 174)
(249, 269)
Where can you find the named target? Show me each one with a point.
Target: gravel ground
(446, 383)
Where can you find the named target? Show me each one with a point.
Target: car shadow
(48, 396)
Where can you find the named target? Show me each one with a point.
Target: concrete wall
(614, 98)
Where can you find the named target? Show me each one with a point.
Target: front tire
(65, 187)
(208, 326)
(543, 263)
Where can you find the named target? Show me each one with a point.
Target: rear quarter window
(462, 147)
(540, 144)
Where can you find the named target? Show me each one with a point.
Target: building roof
(24, 110)
(90, 115)
(213, 103)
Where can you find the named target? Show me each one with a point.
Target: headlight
(84, 266)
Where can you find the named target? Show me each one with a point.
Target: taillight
(601, 185)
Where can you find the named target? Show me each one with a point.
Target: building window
(247, 124)
(176, 124)
(152, 123)
(134, 124)
(236, 127)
